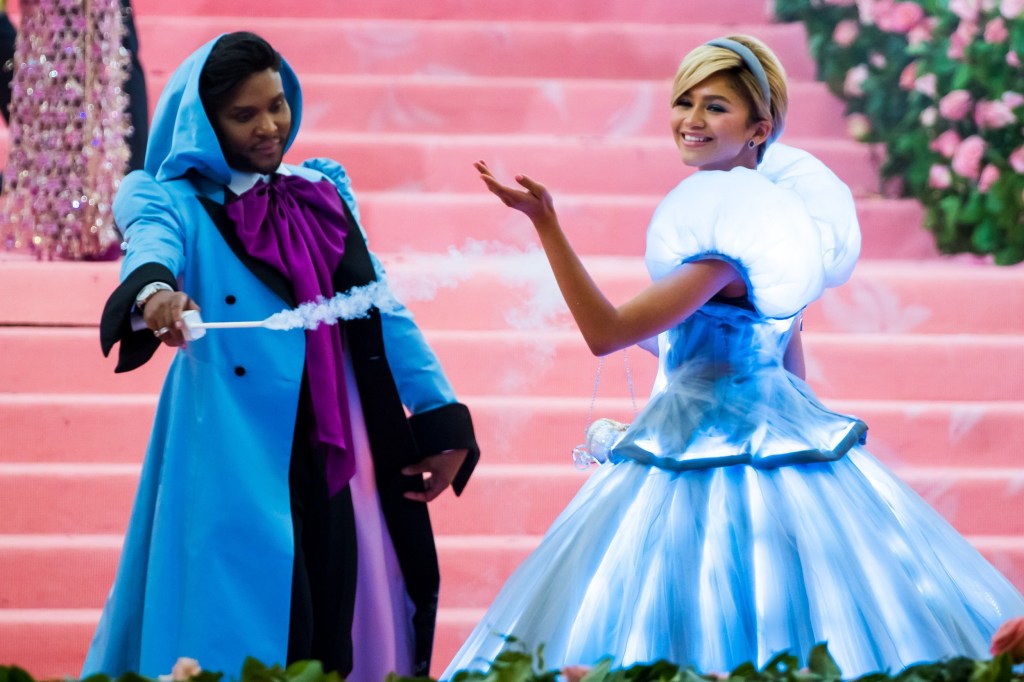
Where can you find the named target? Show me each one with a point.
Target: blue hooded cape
(206, 568)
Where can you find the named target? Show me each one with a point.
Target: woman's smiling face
(712, 126)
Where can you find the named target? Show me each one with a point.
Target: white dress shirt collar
(242, 181)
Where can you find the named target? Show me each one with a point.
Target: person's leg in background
(135, 88)
(7, 37)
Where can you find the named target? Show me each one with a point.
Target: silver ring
(161, 331)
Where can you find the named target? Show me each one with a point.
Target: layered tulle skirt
(719, 566)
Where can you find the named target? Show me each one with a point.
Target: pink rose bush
(967, 158)
(939, 84)
(939, 176)
(955, 105)
(989, 176)
(858, 126)
(1011, 9)
(846, 32)
(899, 17)
(1009, 639)
(946, 143)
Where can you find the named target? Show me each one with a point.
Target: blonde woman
(737, 517)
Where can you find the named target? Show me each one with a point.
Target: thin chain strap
(581, 455)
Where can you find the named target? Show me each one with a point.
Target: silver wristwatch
(147, 292)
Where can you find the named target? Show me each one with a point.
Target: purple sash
(299, 227)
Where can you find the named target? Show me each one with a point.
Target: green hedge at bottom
(515, 664)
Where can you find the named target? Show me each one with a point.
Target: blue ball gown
(738, 517)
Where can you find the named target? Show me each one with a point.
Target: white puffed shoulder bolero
(790, 227)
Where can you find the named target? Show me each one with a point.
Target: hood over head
(181, 136)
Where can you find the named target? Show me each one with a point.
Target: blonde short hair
(707, 60)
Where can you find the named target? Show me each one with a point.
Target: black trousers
(324, 577)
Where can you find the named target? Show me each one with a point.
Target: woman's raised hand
(534, 199)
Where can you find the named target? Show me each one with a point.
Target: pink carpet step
(881, 297)
(435, 164)
(552, 363)
(625, 11)
(566, 164)
(512, 284)
(510, 48)
(76, 572)
(848, 366)
(467, 106)
(79, 429)
(597, 224)
(97, 498)
(49, 644)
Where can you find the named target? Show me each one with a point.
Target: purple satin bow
(299, 227)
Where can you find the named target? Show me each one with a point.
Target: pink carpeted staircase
(929, 351)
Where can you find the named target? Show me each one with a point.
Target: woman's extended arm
(606, 328)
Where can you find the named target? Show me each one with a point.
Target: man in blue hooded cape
(281, 511)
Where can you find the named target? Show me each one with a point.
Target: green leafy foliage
(517, 664)
(894, 63)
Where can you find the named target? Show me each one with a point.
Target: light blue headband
(752, 62)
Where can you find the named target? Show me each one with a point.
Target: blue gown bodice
(723, 396)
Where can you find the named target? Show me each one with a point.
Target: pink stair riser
(91, 499)
(557, 363)
(653, 11)
(548, 50)
(455, 105)
(599, 224)
(57, 574)
(428, 163)
(76, 428)
(441, 289)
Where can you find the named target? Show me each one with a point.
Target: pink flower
(846, 32)
(858, 126)
(908, 76)
(1009, 639)
(939, 176)
(965, 9)
(1011, 9)
(995, 31)
(575, 673)
(185, 669)
(866, 10)
(855, 77)
(922, 33)
(967, 157)
(1016, 159)
(1012, 99)
(955, 105)
(946, 143)
(961, 38)
(900, 17)
(926, 84)
(928, 117)
(1012, 59)
(877, 60)
(993, 115)
(989, 176)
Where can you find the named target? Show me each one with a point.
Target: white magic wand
(355, 303)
